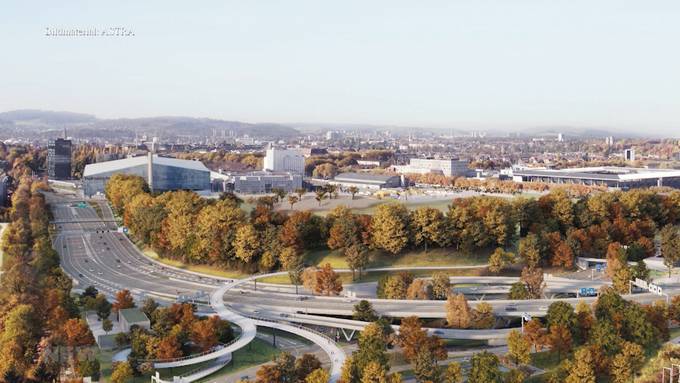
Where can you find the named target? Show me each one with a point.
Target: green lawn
(433, 257)
(346, 277)
(205, 269)
(545, 360)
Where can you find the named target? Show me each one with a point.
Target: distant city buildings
(333, 135)
(284, 160)
(162, 173)
(609, 141)
(59, 159)
(447, 167)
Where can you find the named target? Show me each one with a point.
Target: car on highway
(301, 298)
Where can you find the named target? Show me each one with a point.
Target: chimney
(149, 171)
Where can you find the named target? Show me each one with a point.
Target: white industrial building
(610, 176)
(284, 160)
(448, 167)
(367, 181)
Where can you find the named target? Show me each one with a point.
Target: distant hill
(40, 123)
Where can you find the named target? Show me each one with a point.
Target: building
(447, 167)
(367, 181)
(333, 135)
(629, 154)
(132, 317)
(560, 137)
(609, 141)
(609, 176)
(162, 173)
(284, 160)
(59, 159)
(370, 163)
(255, 182)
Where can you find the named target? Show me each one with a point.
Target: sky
(509, 64)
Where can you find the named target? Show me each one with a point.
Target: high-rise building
(449, 167)
(284, 160)
(609, 141)
(629, 154)
(59, 159)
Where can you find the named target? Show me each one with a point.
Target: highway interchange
(94, 252)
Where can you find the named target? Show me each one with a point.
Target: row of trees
(38, 316)
(552, 230)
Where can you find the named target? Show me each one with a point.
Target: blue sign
(587, 292)
(599, 267)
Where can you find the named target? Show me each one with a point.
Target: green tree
(484, 367)
(390, 227)
(107, 325)
(372, 348)
(561, 314)
(364, 311)
(518, 348)
(518, 291)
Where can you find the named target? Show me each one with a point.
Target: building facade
(59, 159)
(161, 173)
(256, 182)
(284, 160)
(608, 176)
(367, 181)
(447, 167)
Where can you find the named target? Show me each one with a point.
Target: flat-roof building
(256, 182)
(448, 167)
(284, 160)
(609, 176)
(367, 181)
(162, 173)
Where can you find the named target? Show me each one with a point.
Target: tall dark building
(59, 159)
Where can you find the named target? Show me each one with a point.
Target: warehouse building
(609, 176)
(284, 160)
(162, 173)
(367, 181)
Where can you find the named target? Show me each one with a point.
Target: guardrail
(170, 360)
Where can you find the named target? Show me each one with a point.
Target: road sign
(125, 230)
(587, 292)
(652, 288)
(526, 317)
(599, 267)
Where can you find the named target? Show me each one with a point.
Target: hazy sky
(475, 63)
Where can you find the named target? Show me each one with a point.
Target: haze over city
(477, 191)
(449, 64)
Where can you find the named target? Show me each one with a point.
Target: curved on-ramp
(248, 327)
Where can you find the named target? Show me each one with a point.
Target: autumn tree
(168, 348)
(204, 333)
(627, 363)
(670, 246)
(482, 316)
(500, 259)
(533, 281)
(582, 369)
(327, 281)
(441, 286)
(246, 243)
(518, 348)
(454, 373)
(123, 301)
(318, 376)
(535, 334)
(356, 257)
(530, 249)
(428, 226)
(390, 227)
(559, 339)
(122, 373)
(458, 312)
(419, 289)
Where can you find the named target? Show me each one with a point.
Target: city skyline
(461, 65)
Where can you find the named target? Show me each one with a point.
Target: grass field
(434, 257)
(205, 269)
(373, 276)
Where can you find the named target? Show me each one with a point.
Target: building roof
(605, 173)
(117, 165)
(366, 178)
(133, 315)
